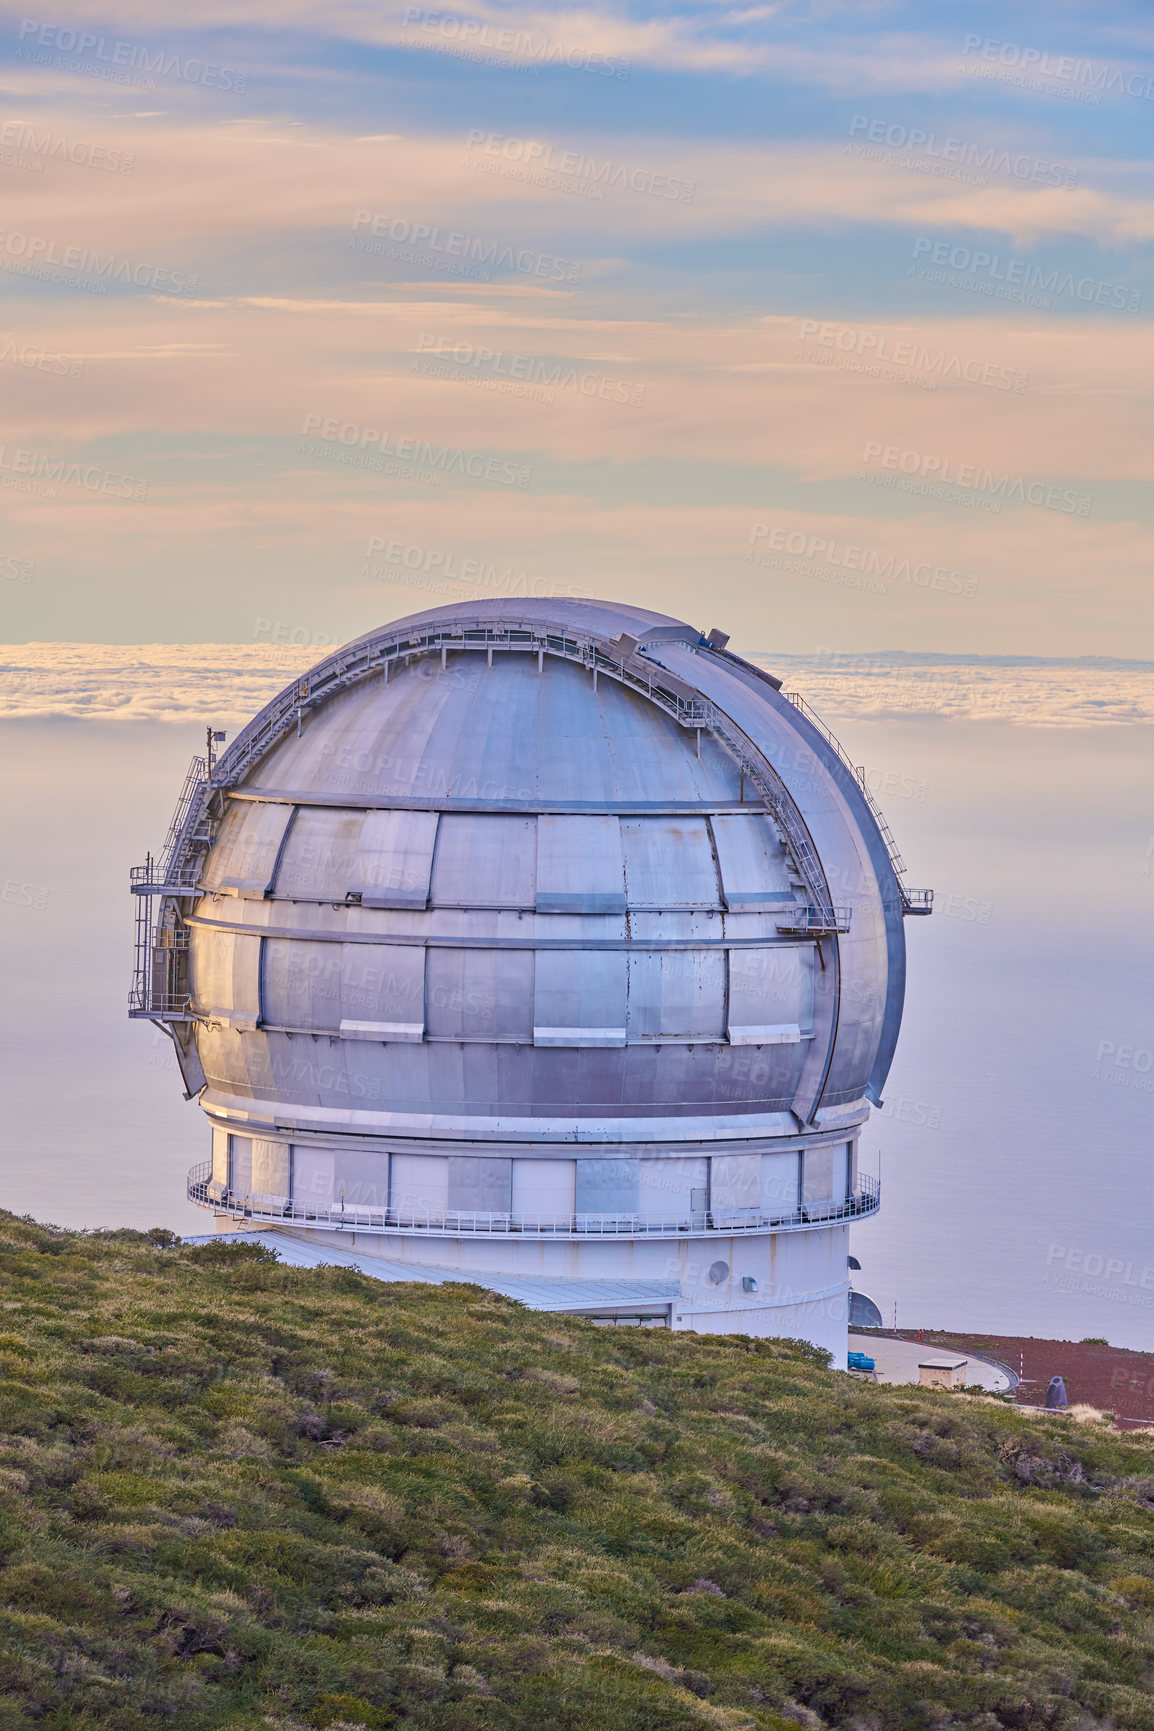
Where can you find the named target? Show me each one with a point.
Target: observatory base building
(543, 944)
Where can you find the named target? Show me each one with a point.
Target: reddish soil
(1111, 1378)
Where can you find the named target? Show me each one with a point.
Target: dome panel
(504, 734)
(580, 865)
(321, 855)
(384, 858)
(225, 972)
(677, 994)
(479, 994)
(579, 997)
(771, 995)
(669, 863)
(752, 860)
(243, 860)
(485, 861)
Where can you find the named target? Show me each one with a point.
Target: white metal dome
(540, 939)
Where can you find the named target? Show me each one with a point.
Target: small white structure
(942, 1373)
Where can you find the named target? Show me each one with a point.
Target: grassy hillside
(234, 1494)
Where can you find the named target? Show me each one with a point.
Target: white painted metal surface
(501, 888)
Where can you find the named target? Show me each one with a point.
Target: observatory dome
(536, 912)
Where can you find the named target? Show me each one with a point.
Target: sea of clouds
(229, 682)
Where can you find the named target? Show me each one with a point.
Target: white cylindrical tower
(544, 944)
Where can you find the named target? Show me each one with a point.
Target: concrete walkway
(898, 1360)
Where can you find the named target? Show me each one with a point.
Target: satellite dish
(852, 1262)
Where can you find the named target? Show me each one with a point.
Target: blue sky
(862, 277)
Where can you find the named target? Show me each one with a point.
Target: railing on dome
(145, 880)
(159, 986)
(160, 974)
(913, 901)
(916, 901)
(349, 1217)
(810, 922)
(193, 782)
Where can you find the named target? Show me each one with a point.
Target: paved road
(898, 1360)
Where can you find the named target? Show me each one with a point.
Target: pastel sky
(829, 324)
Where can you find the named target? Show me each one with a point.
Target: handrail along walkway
(353, 1217)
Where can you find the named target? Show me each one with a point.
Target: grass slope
(234, 1494)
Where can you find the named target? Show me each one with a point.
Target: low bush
(235, 1494)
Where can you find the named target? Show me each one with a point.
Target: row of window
(428, 1188)
(561, 864)
(548, 997)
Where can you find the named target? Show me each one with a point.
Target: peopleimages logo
(39, 360)
(31, 471)
(1098, 76)
(917, 142)
(468, 248)
(1019, 274)
(877, 347)
(280, 631)
(941, 471)
(530, 157)
(444, 571)
(23, 895)
(36, 148)
(1124, 1066)
(373, 445)
(34, 254)
(528, 369)
(852, 556)
(1078, 1261)
(479, 38)
(119, 58)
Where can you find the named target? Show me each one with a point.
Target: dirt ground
(1111, 1378)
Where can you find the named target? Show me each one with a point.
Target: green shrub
(238, 1495)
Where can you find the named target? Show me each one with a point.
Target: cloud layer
(164, 682)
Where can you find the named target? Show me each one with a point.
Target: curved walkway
(898, 1360)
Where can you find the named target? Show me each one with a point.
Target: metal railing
(811, 921)
(917, 901)
(353, 1217)
(159, 986)
(376, 654)
(857, 770)
(145, 880)
(777, 799)
(160, 965)
(913, 901)
(194, 780)
(164, 1006)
